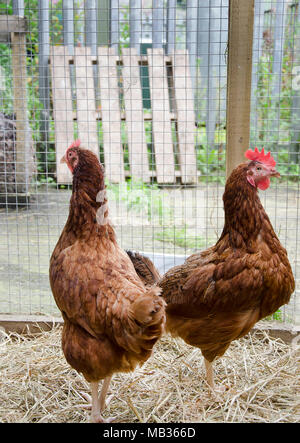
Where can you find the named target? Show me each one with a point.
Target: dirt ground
(28, 236)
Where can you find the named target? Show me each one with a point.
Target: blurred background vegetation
(274, 124)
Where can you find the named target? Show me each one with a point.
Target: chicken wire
(171, 221)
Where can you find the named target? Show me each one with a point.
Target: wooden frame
(12, 23)
(239, 72)
(113, 70)
(238, 119)
(15, 27)
(33, 324)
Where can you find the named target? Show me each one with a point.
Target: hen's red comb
(261, 157)
(75, 144)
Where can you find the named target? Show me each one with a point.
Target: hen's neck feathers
(245, 217)
(85, 205)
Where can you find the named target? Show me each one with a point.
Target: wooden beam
(239, 69)
(185, 116)
(32, 324)
(137, 146)
(28, 324)
(18, 41)
(12, 23)
(111, 117)
(161, 124)
(86, 106)
(103, 15)
(62, 108)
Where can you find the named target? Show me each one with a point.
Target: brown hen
(217, 295)
(111, 319)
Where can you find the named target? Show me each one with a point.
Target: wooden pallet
(73, 86)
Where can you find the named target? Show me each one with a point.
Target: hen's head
(77, 158)
(81, 160)
(86, 169)
(260, 168)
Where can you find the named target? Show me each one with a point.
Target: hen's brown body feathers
(111, 320)
(144, 267)
(217, 295)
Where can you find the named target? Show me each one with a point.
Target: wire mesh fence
(143, 84)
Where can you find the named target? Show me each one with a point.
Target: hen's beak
(275, 173)
(63, 159)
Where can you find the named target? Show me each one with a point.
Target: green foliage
(273, 123)
(124, 26)
(287, 168)
(6, 8)
(276, 316)
(210, 159)
(180, 236)
(141, 198)
(6, 94)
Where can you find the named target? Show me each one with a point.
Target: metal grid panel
(168, 222)
(275, 119)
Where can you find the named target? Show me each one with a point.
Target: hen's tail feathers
(147, 313)
(144, 268)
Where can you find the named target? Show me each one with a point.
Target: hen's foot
(218, 390)
(88, 398)
(99, 419)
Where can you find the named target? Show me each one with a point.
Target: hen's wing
(211, 281)
(108, 298)
(144, 268)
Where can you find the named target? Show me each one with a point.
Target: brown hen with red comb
(217, 295)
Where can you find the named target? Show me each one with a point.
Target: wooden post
(44, 52)
(103, 16)
(18, 7)
(68, 25)
(202, 56)
(157, 23)
(91, 25)
(240, 37)
(295, 109)
(171, 26)
(18, 40)
(135, 24)
(213, 61)
(191, 38)
(114, 24)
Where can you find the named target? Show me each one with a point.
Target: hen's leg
(95, 415)
(209, 373)
(210, 377)
(103, 393)
(98, 404)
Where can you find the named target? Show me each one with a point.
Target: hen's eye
(258, 168)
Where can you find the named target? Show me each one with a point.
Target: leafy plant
(286, 168)
(276, 316)
(142, 198)
(180, 236)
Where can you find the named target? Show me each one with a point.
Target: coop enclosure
(169, 94)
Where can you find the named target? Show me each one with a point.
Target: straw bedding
(262, 375)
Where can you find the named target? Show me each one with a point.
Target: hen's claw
(100, 419)
(88, 398)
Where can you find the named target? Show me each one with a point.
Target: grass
(141, 198)
(180, 237)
